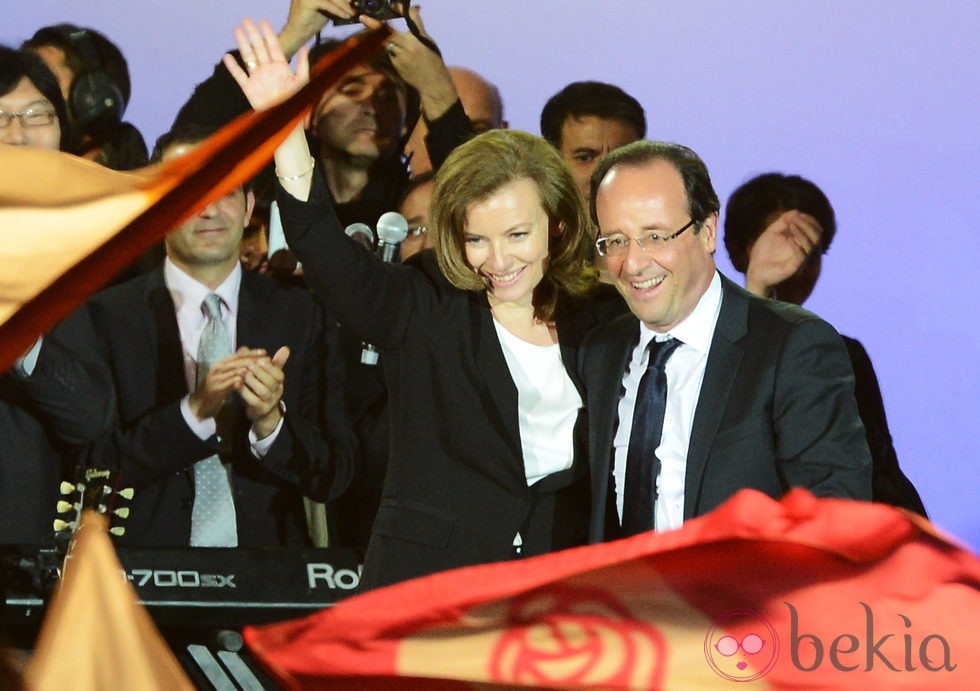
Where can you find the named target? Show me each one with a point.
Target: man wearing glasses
(704, 389)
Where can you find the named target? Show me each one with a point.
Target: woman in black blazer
(478, 341)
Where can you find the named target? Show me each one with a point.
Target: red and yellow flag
(804, 593)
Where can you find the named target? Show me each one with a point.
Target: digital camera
(379, 9)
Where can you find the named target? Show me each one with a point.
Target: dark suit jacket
(776, 408)
(153, 449)
(65, 401)
(455, 492)
(889, 484)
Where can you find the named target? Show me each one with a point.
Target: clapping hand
(261, 390)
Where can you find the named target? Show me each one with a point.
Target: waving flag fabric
(95, 635)
(804, 593)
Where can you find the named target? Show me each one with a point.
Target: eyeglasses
(617, 244)
(28, 118)
(417, 232)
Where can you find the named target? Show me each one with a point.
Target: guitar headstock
(96, 489)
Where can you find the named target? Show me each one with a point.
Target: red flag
(802, 593)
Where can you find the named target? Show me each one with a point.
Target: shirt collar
(188, 293)
(698, 328)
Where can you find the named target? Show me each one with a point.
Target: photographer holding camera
(359, 127)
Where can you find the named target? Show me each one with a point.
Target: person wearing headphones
(94, 79)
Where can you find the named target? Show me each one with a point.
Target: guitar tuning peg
(67, 487)
(126, 493)
(122, 512)
(65, 506)
(61, 526)
(117, 531)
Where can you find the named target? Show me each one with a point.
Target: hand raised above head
(419, 65)
(782, 250)
(267, 78)
(306, 18)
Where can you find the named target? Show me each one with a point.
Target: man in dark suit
(275, 405)
(754, 393)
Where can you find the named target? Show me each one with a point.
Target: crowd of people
(559, 359)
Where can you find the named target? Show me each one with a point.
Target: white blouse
(547, 404)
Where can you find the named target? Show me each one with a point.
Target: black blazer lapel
(724, 358)
(495, 375)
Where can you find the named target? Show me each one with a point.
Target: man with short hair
(714, 389)
(361, 124)
(588, 119)
(265, 420)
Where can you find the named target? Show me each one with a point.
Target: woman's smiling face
(506, 241)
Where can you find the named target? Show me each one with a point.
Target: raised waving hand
(267, 78)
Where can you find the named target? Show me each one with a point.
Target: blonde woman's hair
(476, 170)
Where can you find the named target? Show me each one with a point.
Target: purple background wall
(874, 100)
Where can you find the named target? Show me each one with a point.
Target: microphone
(392, 229)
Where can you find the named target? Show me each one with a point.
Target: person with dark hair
(359, 127)
(229, 388)
(52, 398)
(705, 389)
(480, 333)
(357, 134)
(94, 79)
(777, 229)
(588, 119)
(34, 111)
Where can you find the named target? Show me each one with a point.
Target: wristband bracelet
(289, 178)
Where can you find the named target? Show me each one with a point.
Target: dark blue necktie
(642, 464)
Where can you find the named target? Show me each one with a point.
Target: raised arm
(306, 18)
(266, 80)
(422, 67)
(374, 300)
